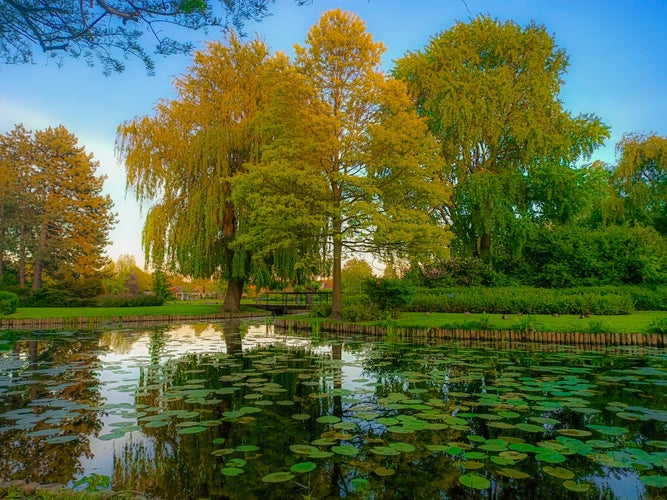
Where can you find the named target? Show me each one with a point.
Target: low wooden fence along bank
(495, 336)
(95, 322)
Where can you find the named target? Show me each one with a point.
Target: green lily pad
(655, 481)
(301, 416)
(192, 430)
(474, 481)
(303, 467)
(302, 449)
(513, 473)
(236, 462)
(384, 471)
(550, 457)
(328, 419)
(384, 450)
(231, 471)
(559, 472)
(278, 477)
(61, 439)
(404, 447)
(247, 448)
(577, 487)
(345, 449)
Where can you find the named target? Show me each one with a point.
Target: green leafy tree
(183, 159)
(351, 166)
(58, 220)
(641, 177)
(108, 31)
(354, 273)
(490, 93)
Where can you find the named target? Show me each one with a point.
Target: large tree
(351, 165)
(490, 92)
(183, 159)
(56, 217)
(641, 177)
(111, 30)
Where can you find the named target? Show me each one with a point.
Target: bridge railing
(305, 299)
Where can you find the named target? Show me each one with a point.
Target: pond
(237, 410)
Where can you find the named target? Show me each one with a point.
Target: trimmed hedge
(9, 303)
(512, 300)
(128, 300)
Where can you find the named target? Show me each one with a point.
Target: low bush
(128, 300)
(515, 300)
(388, 295)
(50, 297)
(9, 303)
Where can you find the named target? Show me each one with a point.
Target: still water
(237, 410)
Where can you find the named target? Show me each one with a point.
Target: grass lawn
(630, 323)
(193, 308)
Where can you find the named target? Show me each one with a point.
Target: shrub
(128, 300)
(49, 297)
(9, 303)
(389, 295)
(359, 308)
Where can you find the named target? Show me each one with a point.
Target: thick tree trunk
(232, 301)
(485, 247)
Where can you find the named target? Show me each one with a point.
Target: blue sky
(617, 51)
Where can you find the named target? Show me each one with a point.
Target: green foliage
(128, 300)
(658, 326)
(50, 297)
(566, 256)
(387, 294)
(354, 274)
(454, 272)
(9, 303)
(523, 300)
(161, 286)
(358, 308)
(94, 482)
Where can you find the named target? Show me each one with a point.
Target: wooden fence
(96, 322)
(579, 339)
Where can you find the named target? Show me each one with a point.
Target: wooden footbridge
(281, 303)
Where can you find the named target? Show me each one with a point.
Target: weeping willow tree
(182, 160)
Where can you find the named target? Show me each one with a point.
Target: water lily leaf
(384, 471)
(236, 462)
(345, 449)
(559, 472)
(404, 447)
(247, 448)
(384, 450)
(320, 454)
(303, 449)
(219, 440)
(513, 473)
(61, 439)
(360, 483)
(574, 432)
(577, 487)
(474, 481)
(231, 471)
(324, 442)
(192, 430)
(550, 457)
(655, 481)
(278, 477)
(303, 467)
(328, 419)
(475, 455)
(471, 465)
(529, 427)
(609, 430)
(301, 416)
(501, 460)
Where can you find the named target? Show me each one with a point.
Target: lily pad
(303, 467)
(474, 481)
(345, 449)
(577, 487)
(559, 472)
(278, 477)
(384, 471)
(655, 481)
(232, 471)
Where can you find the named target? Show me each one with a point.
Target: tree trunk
(39, 261)
(232, 301)
(485, 247)
(337, 294)
(21, 270)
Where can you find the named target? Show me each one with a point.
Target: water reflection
(236, 410)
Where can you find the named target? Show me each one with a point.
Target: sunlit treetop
(108, 32)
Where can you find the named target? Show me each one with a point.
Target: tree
(353, 275)
(111, 30)
(56, 212)
(351, 164)
(490, 94)
(641, 177)
(184, 158)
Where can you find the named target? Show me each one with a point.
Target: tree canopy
(490, 92)
(110, 31)
(183, 159)
(351, 165)
(54, 219)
